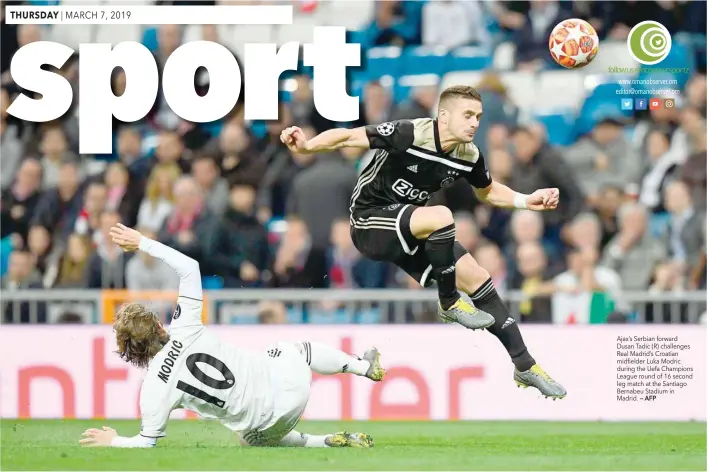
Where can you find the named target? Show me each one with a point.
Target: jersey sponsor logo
(177, 313)
(393, 207)
(447, 181)
(405, 189)
(169, 362)
(385, 129)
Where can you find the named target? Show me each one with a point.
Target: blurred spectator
(497, 138)
(106, 266)
(95, 200)
(130, 147)
(320, 194)
(123, 197)
(302, 107)
(455, 23)
(207, 175)
(190, 228)
(527, 227)
(238, 165)
(276, 189)
(145, 272)
(12, 141)
(467, 232)
(490, 257)
(347, 268)
(22, 272)
(55, 152)
(420, 104)
(606, 210)
(241, 249)
(532, 38)
(662, 166)
(159, 199)
(510, 16)
(662, 118)
(20, 200)
(584, 275)
(695, 92)
(686, 231)
(296, 265)
(603, 158)
(58, 207)
(44, 250)
(72, 268)
(531, 279)
(270, 312)
(585, 232)
(376, 107)
(540, 166)
(498, 109)
(22, 275)
(693, 174)
(396, 23)
(169, 150)
(634, 252)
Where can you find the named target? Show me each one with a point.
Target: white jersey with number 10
(197, 371)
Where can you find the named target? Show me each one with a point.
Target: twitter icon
(627, 104)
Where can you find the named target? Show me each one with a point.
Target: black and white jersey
(410, 166)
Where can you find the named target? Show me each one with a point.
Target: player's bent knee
(427, 220)
(470, 275)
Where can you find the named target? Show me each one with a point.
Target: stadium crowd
(231, 196)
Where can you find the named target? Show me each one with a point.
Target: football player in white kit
(259, 395)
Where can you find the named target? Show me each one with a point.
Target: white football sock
(328, 361)
(295, 439)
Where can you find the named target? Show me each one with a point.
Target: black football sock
(440, 251)
(505, 327)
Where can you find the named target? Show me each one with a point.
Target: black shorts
(384, 234)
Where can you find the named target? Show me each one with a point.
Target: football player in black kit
(390, 222)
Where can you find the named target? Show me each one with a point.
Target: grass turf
(199, 445)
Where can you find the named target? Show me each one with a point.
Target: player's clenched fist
(127, 238)
(543, 199)
(294, 138)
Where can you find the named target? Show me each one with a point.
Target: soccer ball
(573, 43)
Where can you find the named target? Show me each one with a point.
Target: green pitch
(198, 445)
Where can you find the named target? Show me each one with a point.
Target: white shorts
(291, 378)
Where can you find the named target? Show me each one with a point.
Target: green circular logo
(649, 42)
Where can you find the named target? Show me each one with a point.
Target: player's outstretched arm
(190, 285)
(500, 195)
(108, 437)
(329, 140)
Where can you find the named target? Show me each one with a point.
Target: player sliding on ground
(390, 222)
(259, 395)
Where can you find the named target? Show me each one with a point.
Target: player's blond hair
(139, 334)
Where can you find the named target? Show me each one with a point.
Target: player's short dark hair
(139, 334)
(460, 91)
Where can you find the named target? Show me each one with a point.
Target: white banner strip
(150, 15)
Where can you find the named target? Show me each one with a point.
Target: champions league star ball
(573, 43)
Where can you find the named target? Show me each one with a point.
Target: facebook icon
(627, 104)
(640, 104)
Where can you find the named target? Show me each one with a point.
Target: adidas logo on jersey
(508, 321)
(274, 352)
(413, 168)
